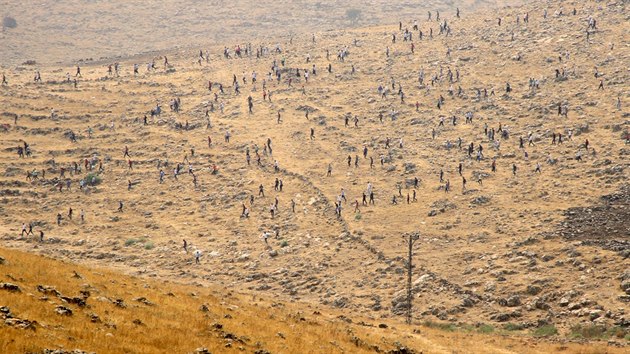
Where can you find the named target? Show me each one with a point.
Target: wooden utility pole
(411, 238)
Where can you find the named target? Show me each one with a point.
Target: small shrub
(545, 331)
(9, 22)
(597, 331)
(93, 179)
(284, 243)
(589, 332)
(357, 217)
(149, 245)
(439, 325)
(485, 328)
(620, 332)
(513, 327)
(130, 242)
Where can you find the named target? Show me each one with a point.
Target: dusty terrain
(529, 250)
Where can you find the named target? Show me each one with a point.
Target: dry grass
(175, 320)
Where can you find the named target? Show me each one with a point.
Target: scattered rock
(21, 323)
(10, 287)
(533, 289)
(341, 302)
(62, 310)
(48, 290)
(144, 301)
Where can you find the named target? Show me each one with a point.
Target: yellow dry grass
(175, 322)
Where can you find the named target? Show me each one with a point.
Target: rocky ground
(527, 249)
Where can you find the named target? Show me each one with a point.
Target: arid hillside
(52, 31)
(501, 137)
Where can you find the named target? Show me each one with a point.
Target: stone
(500, 317)
(20, 323)
(595, 314)
(533, 289)
(79, 301)
(513, 301)
(422, 279)
(144, 301)
(63, 311)
(341, 302)
(10, 287)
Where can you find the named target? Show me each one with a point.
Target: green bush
(440, 325)
(357, 217)
(545, 331)
(485, 328)
(131, 242)
(93, 179)
(598, 332)
(284, 243)
(513, 327)
(149, 245)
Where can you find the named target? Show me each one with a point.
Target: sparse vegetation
(450, 327)
(93, 179)
(545, 331)
(598, 332)
(513, 327)
(485, 328)
(130, 242)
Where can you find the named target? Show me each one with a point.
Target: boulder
(63, 311)
(10, 287)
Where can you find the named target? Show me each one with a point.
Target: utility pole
(411, 238)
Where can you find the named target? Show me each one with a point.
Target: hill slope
(499, 251)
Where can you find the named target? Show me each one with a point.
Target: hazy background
(50, 31)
